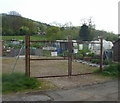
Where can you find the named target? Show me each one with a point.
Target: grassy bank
(13, 37)
(37, 37)
(18, 82)
(112, 70)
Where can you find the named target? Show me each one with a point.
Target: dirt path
(40, 68)
(80, 80)
(45, 67)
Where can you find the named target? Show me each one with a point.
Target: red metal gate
(69, 57)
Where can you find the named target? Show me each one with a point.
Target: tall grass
(36, 37)
(18, 82)
(111, 70)
(13, 37)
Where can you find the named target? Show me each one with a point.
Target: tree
(24, 30)
(84, 32)
(52, 32)
(14, 13)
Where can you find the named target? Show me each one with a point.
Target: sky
(104, 13)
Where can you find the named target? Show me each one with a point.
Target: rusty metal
(69, 56)
(27, 56)
(64, 42)
(85, 42)
(63, 75)
(56, 59)
(101, 53)
(50, 59)
(50, 41)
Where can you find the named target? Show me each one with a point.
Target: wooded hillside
(12, 25)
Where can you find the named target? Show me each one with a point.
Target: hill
(12, 24)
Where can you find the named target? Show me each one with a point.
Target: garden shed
(116, 51)
(1, 45)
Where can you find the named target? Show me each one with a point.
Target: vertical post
(101, 53)
(27, 56)
(69, 56)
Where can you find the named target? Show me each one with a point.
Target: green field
(23, 37)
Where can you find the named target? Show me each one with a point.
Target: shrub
(84, 52)
(91, 55)
(78, 55)
(111, 70)
(13, 45)
(105, 62)
(65, 53)
(17, 82)
(97, 61)
(37, 45)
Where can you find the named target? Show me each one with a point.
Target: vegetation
(12, 37)
(84, 33)
(18, 82)
(14, 13)
(13, 24)
(105, 62)
(111, 70)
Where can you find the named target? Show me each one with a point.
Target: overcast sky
(104, 13)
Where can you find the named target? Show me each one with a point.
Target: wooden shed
(1, 47)
(116, 51)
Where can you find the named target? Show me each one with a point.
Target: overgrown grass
(105, 62)
(18, 82)
(13, 37)
(112, 70)
(36, 37)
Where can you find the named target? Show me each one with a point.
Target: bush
(97, 61)
(65, 53)
(37, 45)
(78, 55)
(105, 62)
(84, 52)
(18, 82)
(112, 70)
(91, 55)
(14, 45)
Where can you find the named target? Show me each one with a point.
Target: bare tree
(14, 13)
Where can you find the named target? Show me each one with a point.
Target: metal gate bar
(50, 59)
(27, 57)
(63, 75)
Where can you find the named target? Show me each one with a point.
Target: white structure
(95, 48)
(53, 53)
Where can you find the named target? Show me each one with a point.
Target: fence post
(69, 56)
(27, 56)
(101, 53)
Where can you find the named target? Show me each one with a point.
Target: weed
(18, 82)
(111, 70)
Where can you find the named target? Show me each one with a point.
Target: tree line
(13, 24)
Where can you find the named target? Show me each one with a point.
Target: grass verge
(112, 70)
(18, 82)
(36, 37)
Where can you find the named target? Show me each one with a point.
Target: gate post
(69, 56)
(27, 55)
(101, 53)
